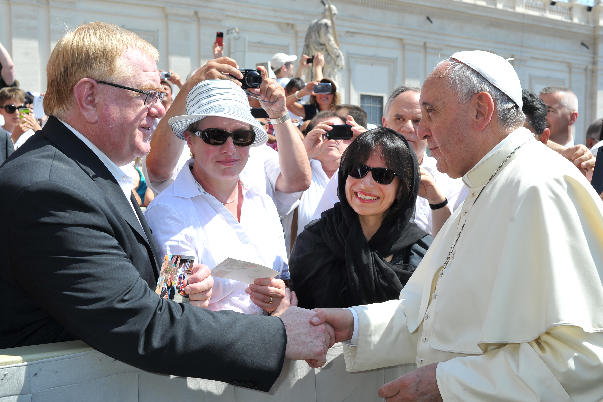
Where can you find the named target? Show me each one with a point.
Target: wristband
(440, 205)
(281, 119)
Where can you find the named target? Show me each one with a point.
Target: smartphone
(220, 38)
(23, 111)
(340, 132)
(310, 60)
(322, 88)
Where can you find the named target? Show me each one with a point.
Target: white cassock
(517, 314)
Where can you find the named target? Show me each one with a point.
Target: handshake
(310, 333)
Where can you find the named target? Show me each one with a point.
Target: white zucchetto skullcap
(498, 71)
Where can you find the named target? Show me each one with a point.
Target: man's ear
(544, 137)
(573, 118)
(85, 93)
(483, 109)
(383, 121)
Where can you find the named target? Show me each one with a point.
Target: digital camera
(251, 78)
(164, 75)
(323, 88)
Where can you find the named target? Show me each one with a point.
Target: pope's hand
(418, 385)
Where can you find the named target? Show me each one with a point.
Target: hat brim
(179, 124)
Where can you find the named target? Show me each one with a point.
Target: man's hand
(200, 285)
(305, 340)
(27, 122)
(175, 79)
(357, 129)
(581, 156)
(418, 385)
(217, 50)
(428, 188)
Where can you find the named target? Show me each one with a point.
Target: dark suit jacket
(6, 147)
(76, 264)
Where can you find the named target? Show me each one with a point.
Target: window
(373, 106)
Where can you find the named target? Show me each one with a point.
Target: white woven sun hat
(222, 98)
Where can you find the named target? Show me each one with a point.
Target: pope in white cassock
(508, 302)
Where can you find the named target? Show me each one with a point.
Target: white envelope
(242, 271)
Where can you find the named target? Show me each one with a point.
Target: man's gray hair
(568, 98)
(466, 82)
(395, 93)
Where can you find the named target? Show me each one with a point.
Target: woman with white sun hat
(209, 212)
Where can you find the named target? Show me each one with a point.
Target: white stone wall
(385, 42)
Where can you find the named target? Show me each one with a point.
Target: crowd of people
(463, 235)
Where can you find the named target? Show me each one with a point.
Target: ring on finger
(269, 299)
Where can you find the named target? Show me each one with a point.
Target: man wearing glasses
(78, 258)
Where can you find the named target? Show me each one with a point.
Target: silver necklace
(450, 255)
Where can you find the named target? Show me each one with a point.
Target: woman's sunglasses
(380, 175)
(217, 136)
(12, 108)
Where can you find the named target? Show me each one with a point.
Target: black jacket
(75, 263)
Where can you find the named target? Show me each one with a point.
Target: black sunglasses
(380, 175)
(12, 108)
(217, 136)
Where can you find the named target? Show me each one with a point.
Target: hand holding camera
(271, 95)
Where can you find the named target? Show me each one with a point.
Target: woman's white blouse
(187, 220)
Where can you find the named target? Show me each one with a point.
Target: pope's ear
(483, 108)
(85, 96)
(573, 118)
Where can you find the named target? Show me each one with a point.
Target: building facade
(386, 43)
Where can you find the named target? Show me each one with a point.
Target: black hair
(294, 83)
(355, 111)
(535, 111)
(397, 155)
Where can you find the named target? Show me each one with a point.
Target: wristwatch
(297, 95)
(281, 119)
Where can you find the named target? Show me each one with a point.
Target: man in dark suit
(78, 259)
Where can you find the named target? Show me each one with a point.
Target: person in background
(537, 113)
(357, 113)
(594, 137)
(365, 248)
(324, 155)
(319, 102)
(282, 66)
(7, 69)
(562, 113)
(294, 85)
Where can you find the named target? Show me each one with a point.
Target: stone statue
(321, 38)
